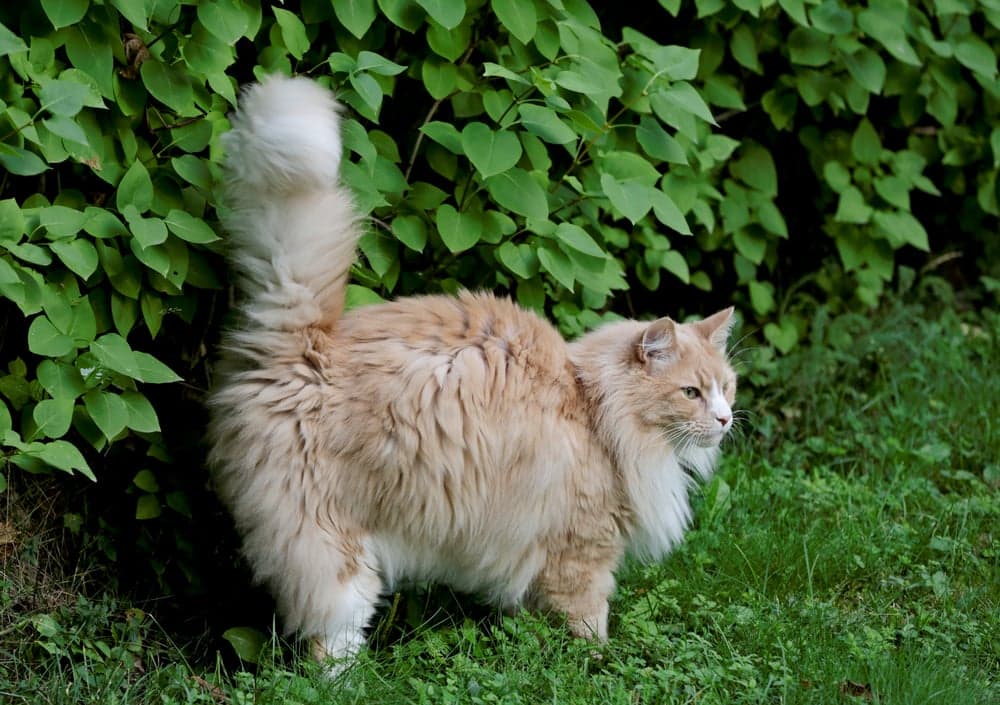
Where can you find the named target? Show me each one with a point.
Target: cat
(453, 439)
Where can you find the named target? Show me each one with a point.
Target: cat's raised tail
(293, 228)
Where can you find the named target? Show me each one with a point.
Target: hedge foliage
(590, 160)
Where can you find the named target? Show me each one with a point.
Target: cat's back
(475, 341)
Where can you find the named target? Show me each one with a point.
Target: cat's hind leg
(342, 609)
(325, 581)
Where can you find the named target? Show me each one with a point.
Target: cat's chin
(711, 440)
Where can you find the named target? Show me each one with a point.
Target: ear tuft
(717, 327)
(659, 341)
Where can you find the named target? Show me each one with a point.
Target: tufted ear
(716, 328)
(659, 341)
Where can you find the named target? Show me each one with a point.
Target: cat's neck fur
(655, 476)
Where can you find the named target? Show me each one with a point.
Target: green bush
(631, 160)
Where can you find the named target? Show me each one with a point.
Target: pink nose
(724, 420)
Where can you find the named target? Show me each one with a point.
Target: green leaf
(153, 311)
(447, 13)
(518, 16)
(632, 198)
(449, 43)
(762, 297)
(676, 62)
(64, 456)
(147, 231)
(830, 18)
(11, 220)
(837, 176)
(411, 231)
(108, 411)
(63, 97)
(53, 417)
(113, 352)
(852, 208)
(370, 61)
(556, 263)
(784, 336)
(440, 79)
(577, 238)
(445, 134)
(771, 219)
(60, 221)
(546, 124)
(809, 47)
(205, 53)
(380, 250)
(865, 143)
(668, 213)
(20, 161)
(491, 152)
(63, 13)
(80, 256)
(368, 89)
(145, 480)
(67, 128)
(356, 15)
(168, 85)
(885, 22)
(976, 55)
(796, 10)
(10, 43)
(135, 189)
(103, 224)
(141, 415)
(459, 231)
(227, 20)
(147, 507)
(517, 191)
(247, 642)
(743, 45)
(903, 226)
(135, 11)
(194, 170)
(45, 339)
(60, 380)
(750, 245)
(684, 96)
(756, 169)
(894, 190)
(674, 262)
(188, 228)
(658, 143)
(293, 32)
(867, 68)
(360, 296)
(510, 257)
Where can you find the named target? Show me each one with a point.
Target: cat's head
(690, 385)
(662, 379)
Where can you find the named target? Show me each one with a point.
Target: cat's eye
(691, 392)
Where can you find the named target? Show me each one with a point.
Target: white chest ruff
(658, 491)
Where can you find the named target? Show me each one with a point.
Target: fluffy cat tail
(293, 229)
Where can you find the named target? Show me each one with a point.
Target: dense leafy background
(790, 157)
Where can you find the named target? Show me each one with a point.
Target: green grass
(845, 553)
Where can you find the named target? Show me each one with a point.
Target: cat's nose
(724, 420)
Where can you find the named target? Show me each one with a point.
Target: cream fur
(455, 439)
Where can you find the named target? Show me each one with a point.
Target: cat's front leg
(577, 584)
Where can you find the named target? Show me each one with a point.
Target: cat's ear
(717, 327)
(658, 342)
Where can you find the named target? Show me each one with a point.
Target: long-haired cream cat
(459, 440)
